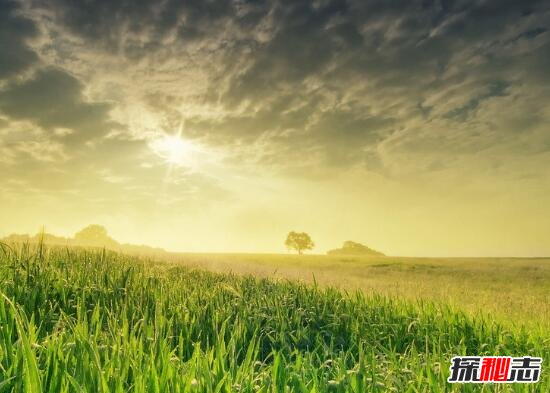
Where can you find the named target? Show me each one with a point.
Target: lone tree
(299, 241)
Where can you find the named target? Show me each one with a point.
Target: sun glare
(173, 149)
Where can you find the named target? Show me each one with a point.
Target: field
(512, 290)
(73, 320)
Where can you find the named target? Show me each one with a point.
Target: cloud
(15, 31)
(365, 71)
(139, 29)
(52, 99)
(343, 81)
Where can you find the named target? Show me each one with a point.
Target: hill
(356, 249)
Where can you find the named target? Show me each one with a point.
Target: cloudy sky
(415, 127)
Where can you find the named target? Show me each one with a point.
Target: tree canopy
(299, 241)
(94, 235)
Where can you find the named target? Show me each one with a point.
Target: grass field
(93, 321)
(513, 290)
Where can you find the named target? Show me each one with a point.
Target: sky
(418, 128)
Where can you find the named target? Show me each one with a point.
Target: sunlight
(173, 149)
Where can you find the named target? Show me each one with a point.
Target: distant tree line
(90, 236)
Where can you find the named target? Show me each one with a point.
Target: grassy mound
(75, 320)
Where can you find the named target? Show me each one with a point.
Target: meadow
(74, 320)
(515, 291)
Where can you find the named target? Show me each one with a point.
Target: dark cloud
(530, 34)
(493, 89)
(138, 28)
(336, 77)
(15, 30)
(52, 99)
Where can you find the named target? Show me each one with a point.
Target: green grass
(83, 321)
(516, 291)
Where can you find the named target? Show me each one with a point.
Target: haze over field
(418, 129)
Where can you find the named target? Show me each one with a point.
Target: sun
(173, 149)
